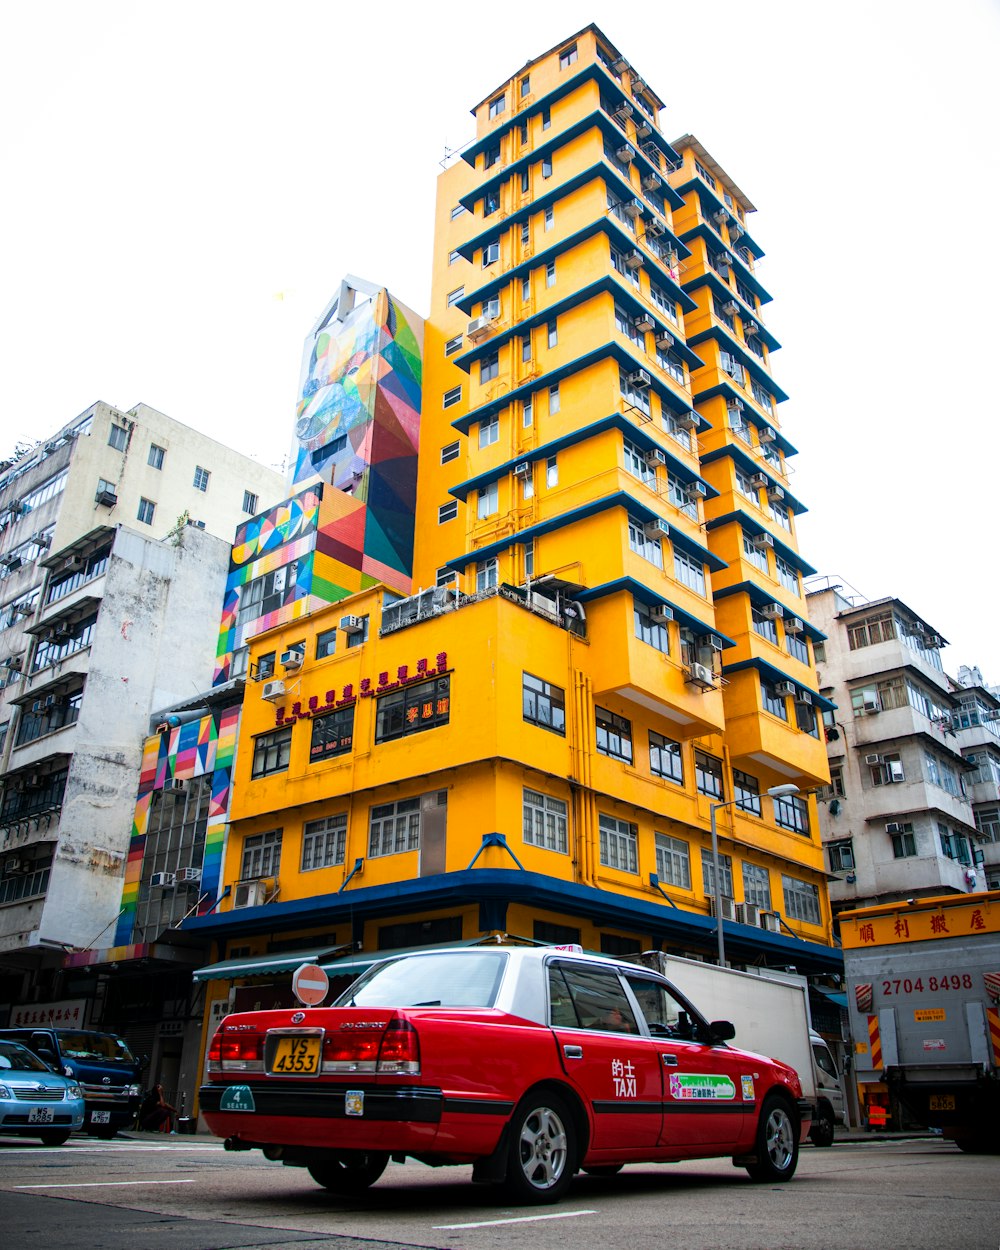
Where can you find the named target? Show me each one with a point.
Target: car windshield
(447, 979)
(20, 1059)
(94, 1046)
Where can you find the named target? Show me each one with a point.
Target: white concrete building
(897, 820)
(977, 727)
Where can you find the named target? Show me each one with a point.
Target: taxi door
(707, 1090)
(615, 1069)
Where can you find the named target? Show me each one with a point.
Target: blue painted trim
(759, 596)
(495, 839)
(709, 278)
(733, 451)
(751, 526)
(730, 343)
(776, 674)
(644, 594)
(704, 191)
(715, 245)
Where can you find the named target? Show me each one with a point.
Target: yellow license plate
(942, 1102)
(296, 1056)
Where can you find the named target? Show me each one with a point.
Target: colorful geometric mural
(358, 428)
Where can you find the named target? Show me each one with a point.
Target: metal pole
(717, 883)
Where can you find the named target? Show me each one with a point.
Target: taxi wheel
(542, 1149)
(777, 1145)
(57, 1137)
(348, 1172)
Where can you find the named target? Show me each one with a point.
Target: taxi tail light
(238, 1050)
(400, 1049)
(350, 1047)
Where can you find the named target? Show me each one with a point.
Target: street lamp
(775, 792)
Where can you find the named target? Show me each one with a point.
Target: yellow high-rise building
(608, 647)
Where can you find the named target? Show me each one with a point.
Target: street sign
(310, 985)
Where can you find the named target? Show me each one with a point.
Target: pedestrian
(156, 1114)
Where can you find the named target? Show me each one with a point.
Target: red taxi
(529, 1063)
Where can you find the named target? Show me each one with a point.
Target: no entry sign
(310, 985)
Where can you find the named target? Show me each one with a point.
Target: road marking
(522, 1219)
(106, 1184)
(114, 1149)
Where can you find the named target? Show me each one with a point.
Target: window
(146, 510)
(265, 666)
(453, 345)
(445, 576)
(527, 411)
(546, 119)
(708, 775)
(457, 211)
(453, 256)
(619, 843)
(487, 502)
(552, 471)
(888, 771)
(633, 392)
(498, 105)
(118, 437)
(841, 855)
(904, 844)
(525, 185)
(452, 397)
(525, 86)
(746, 790)
(271, 752)
(553, 333)
(156, 455)
(654, 633)
(491, 254)
(788, 575)
(448, 511)
(201, 477)
(792, 812)
(567, 57)
(689, 571)
(455, 296)
(326, 643)
(491, 203)
(358, 636)
(332, 734)
(763, 625)
(543, 704)
(550, 273)
(450, 452)
(757, 886)
(614, 735)
(545, 822)
(489, 368)
(394, 828)
(772, 701)
(553, 399)
(249, 502)
(550, 217)
(487, 574)
(725, 873)
(261, 855)
(636, 464)
(650, 548)
(526, 287)
(801, 899)
(673, 861)
(665, 759)
(324, 842)
(796, 646)
(424, 705)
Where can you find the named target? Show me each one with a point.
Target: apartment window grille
(394, 828)
(261, 855)
(613, 735)
(673, 861)
(757, 885)
(725, 873)
(545, 822)
(665, 758)
(801, 899)
(619, 843)
(324, 842)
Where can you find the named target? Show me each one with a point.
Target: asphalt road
(178, 1193)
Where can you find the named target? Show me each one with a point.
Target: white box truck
(771, 1013)
(923, 991)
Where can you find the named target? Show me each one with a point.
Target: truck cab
(829, 1097)
(101, 1063)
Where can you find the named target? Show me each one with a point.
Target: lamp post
(775, 792)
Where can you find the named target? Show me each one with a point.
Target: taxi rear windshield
(445, 980)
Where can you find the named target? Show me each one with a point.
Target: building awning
(262, 965)
(354, 965)
(833, 996)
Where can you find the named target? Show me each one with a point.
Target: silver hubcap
(780, 1139)
(543, 1148)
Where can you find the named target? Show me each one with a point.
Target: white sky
(186, 184)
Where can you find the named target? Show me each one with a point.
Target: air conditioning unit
(712, 641)
(639, 380)
(478, 328)
(760, 480)
(775, 494)
(727, 908)
(784, 687)
(107, 498)
(634, 207)
(873, 760)
(687, 420)
(893, 826)
(761, 542)
(642, 128)
(696, 489)
(249, 894)
(352, 624)
(651, 182)
(661, 613)
(638, 85)
(23, 609)
(522, 468)
(634, 260)
(723, 260)
(750, 328)
(748, 913)
(804, 698)
(163, 880)
(793, 625)
(766, 434)
(75, 562)
(38, 706)
(654, 457)
(15, 663)
(700, 675)
(656, 529)
(655, 227)
(272, 690)
(773, 611)
(11, 561)
(624, 109)
(42, 540)
(189, 876)
(734, 402)
(176, 785)
(934, 641)
(871, 707)
(626, 153)
(720, 216)
(664, 341)
(643, 322)
(292, 658)
(61, 633)
(731, 309)
(771, 921)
